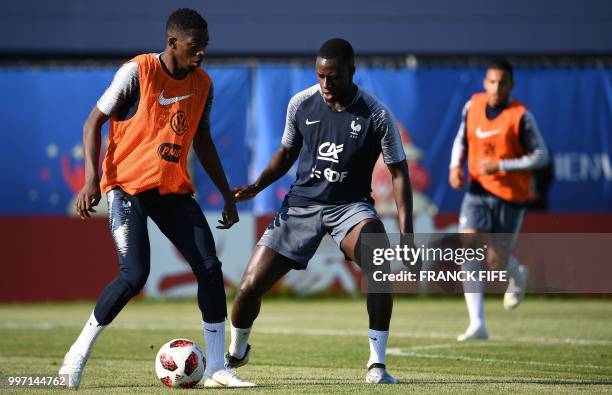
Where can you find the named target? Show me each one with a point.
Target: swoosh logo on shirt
(483, 134)
(311, 122)
(164, 101)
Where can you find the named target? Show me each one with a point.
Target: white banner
(171, 275)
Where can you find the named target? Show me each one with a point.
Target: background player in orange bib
(158, 104)
(500, 139)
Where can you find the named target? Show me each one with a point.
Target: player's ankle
(239, 341)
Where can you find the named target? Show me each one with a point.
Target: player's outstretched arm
(206, 151)
(90, 194)
(280, 164)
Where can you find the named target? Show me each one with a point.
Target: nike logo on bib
(483, 134)
(165, 101)
(311, 122)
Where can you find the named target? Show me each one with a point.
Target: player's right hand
(87, 199)
(245, 192)
(229, 216)
(456, 178)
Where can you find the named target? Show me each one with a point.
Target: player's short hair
(502, 64)
(186, 20)
(337, 48)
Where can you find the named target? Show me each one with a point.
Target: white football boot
(226, 378)
(377, 374)
(516, 289)
(479, 333)
(72, 368)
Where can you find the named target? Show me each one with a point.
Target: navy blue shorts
(296, 232)
(488, 213)
(181, 220)
(178, 216)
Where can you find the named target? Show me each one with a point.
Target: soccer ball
(180, 363)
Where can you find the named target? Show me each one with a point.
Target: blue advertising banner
(42, 120)
(42, 158)
(572, 106)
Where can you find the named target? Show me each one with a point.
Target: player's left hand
(229, 215)
(488, 166)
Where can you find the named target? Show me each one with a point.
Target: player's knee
(134, 280)
(246, 290)
(370, 226)
(249, 288)
(209, 269)
(496, 259)
(496, 262)
(365, 245)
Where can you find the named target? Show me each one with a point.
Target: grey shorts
(489, 213)
(296, 232)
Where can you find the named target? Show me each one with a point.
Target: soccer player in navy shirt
(337, 131)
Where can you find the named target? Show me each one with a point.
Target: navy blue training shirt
(338, 150)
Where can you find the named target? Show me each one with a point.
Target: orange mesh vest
(150, 149)
(496, 139)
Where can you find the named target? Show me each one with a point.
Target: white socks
(473, 296)
(238, 343)
(84, 343)
(475, 307)
(214, 335)
(378, 346)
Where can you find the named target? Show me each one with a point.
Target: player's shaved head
(187, 38)
(335, 68)
(338, 48)
(185, 20)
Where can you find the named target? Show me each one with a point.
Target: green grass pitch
(547, 345)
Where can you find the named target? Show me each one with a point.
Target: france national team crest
(355, 128)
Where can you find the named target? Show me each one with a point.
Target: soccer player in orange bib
(502, 144)
(158, 105)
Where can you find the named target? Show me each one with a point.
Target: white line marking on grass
(431, 335)
(400, 352)
(121, 324)
(445, 345)
(567, 340)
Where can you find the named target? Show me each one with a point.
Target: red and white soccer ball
(180, 363)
